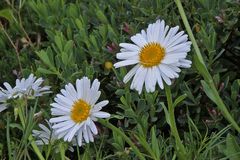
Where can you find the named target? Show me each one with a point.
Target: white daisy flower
(77, 111)
(157, 53)
(47, 136)
(31, 87)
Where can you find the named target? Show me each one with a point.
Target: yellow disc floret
(151, 54)
(80, 111)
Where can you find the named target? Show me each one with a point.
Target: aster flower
(30, 87)
(157, 53)
(76, 111)
(47, 136)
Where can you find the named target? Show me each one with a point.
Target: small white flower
(158, 53)
(31, 87)
(47, 136)
(77, 111)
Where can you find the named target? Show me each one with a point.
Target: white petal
(58, 112)
(2, 107)
(56, 105)
(93, 127)
(65, 128)
(144, 34)
(91, 139)
(170, 35)
(148, 80)
(79, 86)
(125, 63)
(63, 124)
(85, 136)
(131, 73)
(101, 114)
(179, 40)
(166, 70)
(97, 107)
(73, 131)
(183, 47)
(139, 79)
(139, 40)
(79, 137)
(159, 78)
(165, 78)
(174, 38)
(126, 55)
(8, 86)
(86, 87)
(130, 47)
(59, 119)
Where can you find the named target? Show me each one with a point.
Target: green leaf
(201, 68)
(208, 91)
(235, 89)
(233, 148)
(154, 142)
(44, 57)
(7, 14)
(16, 125)
(45, 71)
(166, 112)
(100, 15)
(179, 99)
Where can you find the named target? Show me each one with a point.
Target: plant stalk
(62, 151)
(181, 151)
(204, 71)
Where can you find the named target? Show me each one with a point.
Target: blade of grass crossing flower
(201, 67)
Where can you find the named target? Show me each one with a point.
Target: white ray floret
(76, 111)
(157, 53)
(30, 88)
(46, 135)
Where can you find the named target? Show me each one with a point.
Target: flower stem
(62, 151)
(119, 132)
(201, 67)
(30, 138)
(181, 151)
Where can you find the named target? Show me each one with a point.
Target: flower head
(157, 53)
(47, 136)
(77, 111)
(30, 87)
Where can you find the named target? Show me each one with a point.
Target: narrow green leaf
(208, 91)
(154, 142)
(179, 99)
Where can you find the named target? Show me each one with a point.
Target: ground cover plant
(127, 79)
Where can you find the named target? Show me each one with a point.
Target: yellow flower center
(80, 111)
(151, 54)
